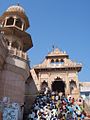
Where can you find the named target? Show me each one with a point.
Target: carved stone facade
(57, 72)
(14, 43)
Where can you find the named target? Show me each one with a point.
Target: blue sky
(62, 23)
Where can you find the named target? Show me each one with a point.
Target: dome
(15, 8)
(17, 11)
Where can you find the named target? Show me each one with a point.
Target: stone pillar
(77, 83)
(23, 26)
(15, 51)
(26, 57)
(14, 21)
(5, 21)
(67, 89)
(39, 78)
(50, 80)
(20, 53)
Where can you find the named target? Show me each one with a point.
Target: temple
(57, 72)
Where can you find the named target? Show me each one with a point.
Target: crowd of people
(54, 106)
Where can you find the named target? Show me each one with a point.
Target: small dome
(15, 8)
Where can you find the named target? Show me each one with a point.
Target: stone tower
(14, 67)
(57, 72)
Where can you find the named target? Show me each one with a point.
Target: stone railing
(62, 65)
(17, 53)
(18, 61)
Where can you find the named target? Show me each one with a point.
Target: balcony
(18, 53)
(17, 61)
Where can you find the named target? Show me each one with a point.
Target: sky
(62, 23)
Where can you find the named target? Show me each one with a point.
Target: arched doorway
(59, 86)
(44, 84)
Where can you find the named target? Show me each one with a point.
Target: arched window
(10, 21)
(72, 85)
(18, 23)
(57, 61)
(44, 84)
(52, 61)
(61, 61)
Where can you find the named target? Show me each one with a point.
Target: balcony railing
(17, 53)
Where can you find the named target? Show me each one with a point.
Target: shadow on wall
(30, 93)
(12, 83)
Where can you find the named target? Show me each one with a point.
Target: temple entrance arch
(58, 85)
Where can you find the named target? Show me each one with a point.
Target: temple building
(14, 43)
(57, 72)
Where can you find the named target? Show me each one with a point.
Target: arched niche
(61, 61)
(44, 84)
(72, 85)
(57, 61)
(52, 61)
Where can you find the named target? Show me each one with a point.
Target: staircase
(35, 78)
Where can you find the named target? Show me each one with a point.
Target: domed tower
(13, 25)
(14, 22)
